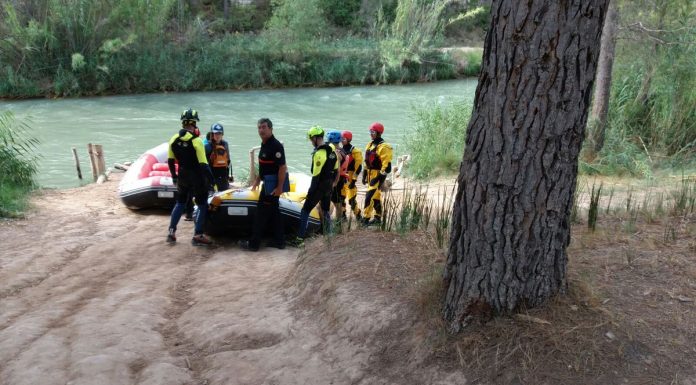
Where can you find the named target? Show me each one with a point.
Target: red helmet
(377, 127)
(347, 135)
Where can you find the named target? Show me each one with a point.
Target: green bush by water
(436, 144)
(233, 62)
(18, 163)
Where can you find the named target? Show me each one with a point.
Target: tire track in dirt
(16, 290)
(181, 300)
(94, 287)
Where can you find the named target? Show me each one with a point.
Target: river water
(129, 125)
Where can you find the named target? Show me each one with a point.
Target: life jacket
(327, 171)
(372, 159)
(183, 150)
(219, 157)
(345, 166)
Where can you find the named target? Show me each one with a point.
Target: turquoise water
(128, 125)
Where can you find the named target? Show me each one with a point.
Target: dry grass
(628, 316)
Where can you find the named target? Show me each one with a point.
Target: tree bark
(600, 103)
(511, 219)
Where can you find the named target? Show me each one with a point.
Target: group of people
(335, 169)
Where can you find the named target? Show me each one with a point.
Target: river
(128, 125)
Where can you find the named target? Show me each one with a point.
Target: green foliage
(18, 163)
(341, 13)
(652, 119)
(416, 27)
(477, 18)
(437, 143)
(88, 47)
(621, 155)
(297, 20)
(593, 211)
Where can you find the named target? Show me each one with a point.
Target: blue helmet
(217, 129)
(334, 136)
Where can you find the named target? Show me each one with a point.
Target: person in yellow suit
(378, 157)
(351, 167)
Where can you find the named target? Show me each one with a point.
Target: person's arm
(318, 160)
(171, 161)
(202, 160)
(230, 174)
(357, 164)
(282, 170)
(385, 155)
(384, 152)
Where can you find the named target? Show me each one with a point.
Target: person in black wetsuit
(193, 178)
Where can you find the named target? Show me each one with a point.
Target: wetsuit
(352, 168)
(193, 178)
(323, 170)
(337, 197)
(378, 157)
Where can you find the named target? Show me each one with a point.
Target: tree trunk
(511, 219)
(600, 104)
(226, 9)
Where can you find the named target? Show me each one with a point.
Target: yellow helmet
(315, 131)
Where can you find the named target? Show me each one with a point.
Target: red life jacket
(347, 160)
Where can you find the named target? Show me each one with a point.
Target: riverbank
(232, 62)
(98, 296)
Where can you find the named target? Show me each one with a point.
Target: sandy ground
(90, 293)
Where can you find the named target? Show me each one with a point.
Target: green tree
(296, 21)
(416, 26)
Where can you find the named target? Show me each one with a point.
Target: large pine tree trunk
(600, 103)
(511, 220)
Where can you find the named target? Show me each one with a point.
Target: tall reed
(18, 163)
(436, 144)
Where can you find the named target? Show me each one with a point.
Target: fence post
(77, 163)
(252, 168)
(92, 161)
(96, 160)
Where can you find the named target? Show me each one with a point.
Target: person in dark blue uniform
(272, 167)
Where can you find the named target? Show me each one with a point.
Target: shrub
(436, 145)
(18, 163)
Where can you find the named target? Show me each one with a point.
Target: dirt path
(91, 294)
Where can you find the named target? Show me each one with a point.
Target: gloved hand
(364, 177)
(231, 179)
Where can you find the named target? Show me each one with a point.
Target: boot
(376, 221)
(171, 236)
(201, 240)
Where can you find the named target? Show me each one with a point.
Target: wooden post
(77, 162)
(252, 165)
(92, 161)
(99, 153)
